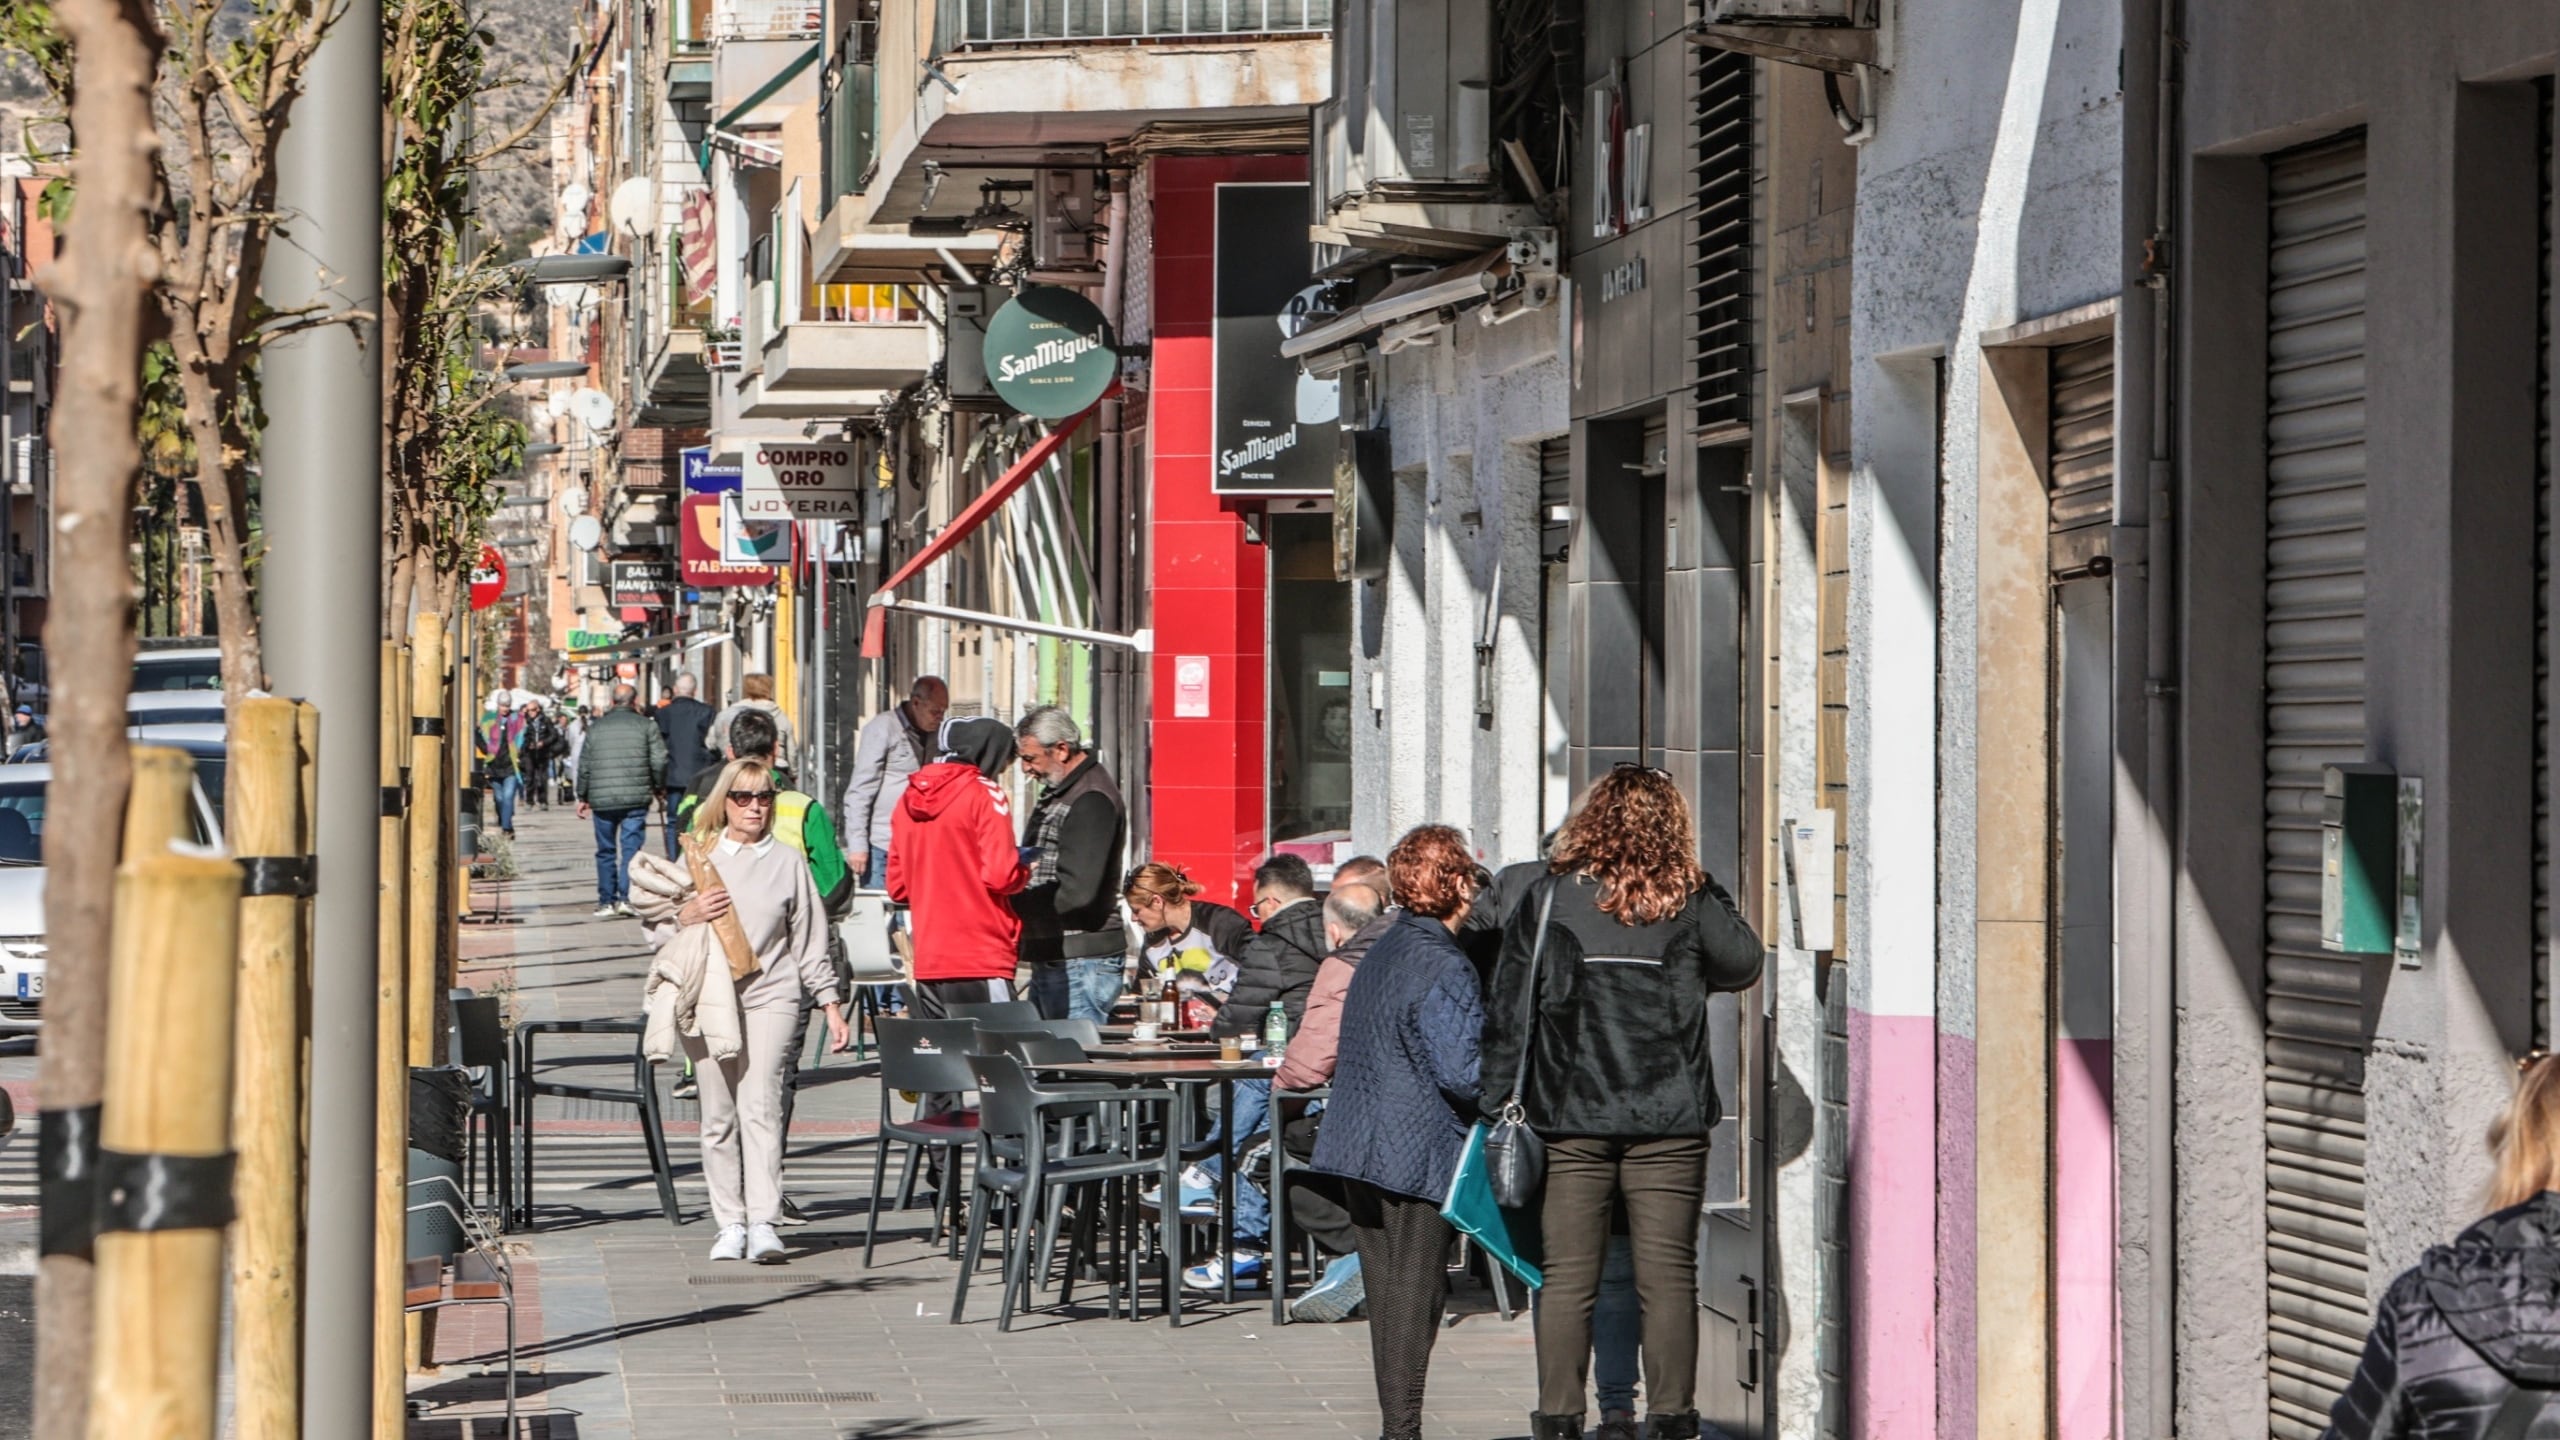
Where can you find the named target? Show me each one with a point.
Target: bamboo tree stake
(265, 819)
(429, 802)
(391, 1079)
(168, 1092)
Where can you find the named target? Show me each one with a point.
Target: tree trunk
(226, 535)
(101, 284)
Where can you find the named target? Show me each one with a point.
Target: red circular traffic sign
(488, 578)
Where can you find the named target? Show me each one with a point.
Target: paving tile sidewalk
(641, 1338)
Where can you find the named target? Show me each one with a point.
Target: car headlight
(23, 947)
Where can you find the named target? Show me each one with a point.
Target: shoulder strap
(1529, 1002)
(2515, 1419)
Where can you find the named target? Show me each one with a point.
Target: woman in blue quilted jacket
(1404, 1095)
(2466, 1343)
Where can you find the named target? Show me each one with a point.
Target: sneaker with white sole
(732, 1244)
(1213, 1275)
(791, 1214)
(1335, 1297)
(1199, 1194)
(606, 912)
(763, 1246)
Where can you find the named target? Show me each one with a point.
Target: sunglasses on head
(1640, 769)
(752, 797)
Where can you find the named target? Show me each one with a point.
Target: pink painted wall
(1892, 1252)
(2084, 1239)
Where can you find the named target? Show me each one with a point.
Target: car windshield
(21, 823)
(176, 672)
(209, 713)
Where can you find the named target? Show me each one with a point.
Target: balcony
(676, 386)
(978, 23)
(989, 85)
(850, 346)
(766, 20)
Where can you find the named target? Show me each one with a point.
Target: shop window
(1309, 682)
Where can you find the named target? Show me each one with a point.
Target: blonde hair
(711, 817)
(1158, 881)
(2525, 1142)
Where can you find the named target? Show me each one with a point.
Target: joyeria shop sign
(1049, 353)
(801, 480)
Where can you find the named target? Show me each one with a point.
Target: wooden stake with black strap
(264, 816)
(391, 1051)
(429, 802)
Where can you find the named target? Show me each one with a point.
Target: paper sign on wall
(1191, 687)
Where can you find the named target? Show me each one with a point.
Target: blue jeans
(1250, 1115)
(1617, 1323)
(503, 790)
(1078, 989)
(620, 834)
(878, 876)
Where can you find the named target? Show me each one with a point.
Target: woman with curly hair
(1613, 1017)
(1404, 1093)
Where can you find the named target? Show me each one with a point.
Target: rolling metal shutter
(2080, 450)
(1720, 238)
(2315, 595)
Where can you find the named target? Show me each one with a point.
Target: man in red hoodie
(952, 862)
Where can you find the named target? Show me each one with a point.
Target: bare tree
(103, 59)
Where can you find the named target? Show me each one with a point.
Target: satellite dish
(594, 407)
(630, 208)
(586, 532)
(573, 503)
(574, 200)
(557, 402)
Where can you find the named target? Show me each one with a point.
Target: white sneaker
(763, 1246)
(732, 1244)
(606, 912)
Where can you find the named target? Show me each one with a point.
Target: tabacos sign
(1049, 353)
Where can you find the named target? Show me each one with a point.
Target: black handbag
(1515, 1158)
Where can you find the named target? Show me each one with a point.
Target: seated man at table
(1355, 915)
(1294, 925)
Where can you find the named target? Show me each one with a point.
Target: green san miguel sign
(1049, 352)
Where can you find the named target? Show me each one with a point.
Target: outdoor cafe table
(1173, 1074)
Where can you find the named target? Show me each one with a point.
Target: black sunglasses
(759, 797)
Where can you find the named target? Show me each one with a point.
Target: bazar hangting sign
(800, 480)
(1049, 353)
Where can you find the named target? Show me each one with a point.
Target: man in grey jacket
(621, 769)
(893, 745)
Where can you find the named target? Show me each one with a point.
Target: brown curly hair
(1433, 872)
(1632, 834)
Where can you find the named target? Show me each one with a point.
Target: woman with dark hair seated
(1404, 1094)
(1619, 1083)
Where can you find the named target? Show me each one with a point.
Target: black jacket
(1071, 908)
(1480, 934)
(2455, 1337)
(1621, 1018)
(685, 723)
(1279, 963)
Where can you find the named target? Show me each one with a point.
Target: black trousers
(1317, 1205)
(1663, 1182)
(1403, 1246)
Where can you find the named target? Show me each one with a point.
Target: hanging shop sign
(1049, 352)
(701, 477)
(752, 542)
(1363, 505)
(700, 549)
(801, 480)
(641, 585)
(1273, 424)
(488, 578)
(593, 639)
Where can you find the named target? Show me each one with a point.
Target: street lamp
(570, 269)
(543, 370)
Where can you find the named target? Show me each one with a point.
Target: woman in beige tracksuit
(768, 885)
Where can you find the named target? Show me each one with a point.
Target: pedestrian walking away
(684, 722)
(757, 694)
(1404, 1094)
(1598, 1017)
(621, 769)
(500, 747)
(1072, 937)
(766, 884)
(954, 864)
(892, 746)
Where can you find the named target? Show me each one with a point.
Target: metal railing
(766, 19)
(1038, 22)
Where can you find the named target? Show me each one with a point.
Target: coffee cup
(1146, 1032)
(1231, 1048)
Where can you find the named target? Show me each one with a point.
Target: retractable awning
(1463, 283)
(875, 624)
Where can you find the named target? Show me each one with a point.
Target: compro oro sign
(801, 480)
(1049, 353)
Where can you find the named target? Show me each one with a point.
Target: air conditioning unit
(1064, 224)
(1414, 106)
(1858, 13)
(964, 361)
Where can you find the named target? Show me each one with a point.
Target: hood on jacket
(2498, 1287)
(978, 741)
(1300, 926)
(937, 787)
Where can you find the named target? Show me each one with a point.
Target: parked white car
(22, 947)
(181, 667)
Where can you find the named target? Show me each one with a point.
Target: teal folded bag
(1509, 1236)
